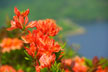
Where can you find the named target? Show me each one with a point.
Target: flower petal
(21, 19)
(26, 20)
(31, 24)
(16, 11)
(25, 13)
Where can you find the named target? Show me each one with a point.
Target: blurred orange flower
(100, 69)
(67, 70)
(9, 44)
(67, 62)
(79, 65)
(6, 68)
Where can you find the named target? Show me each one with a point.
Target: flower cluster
(42, 47)
(48, 27)
(7, 68)
(100, 69)
(20, 20)
(77, 64)
(8, 44)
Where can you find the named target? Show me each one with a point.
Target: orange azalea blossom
(79, 65)
(32, 37)
(47, 46)
(42, 48)
(48, 27)
(40, 43)
(9, 44)
(100, 69)
(6, 68)
(20, 20)
(67, 62)
(45, 61)
(67, 70)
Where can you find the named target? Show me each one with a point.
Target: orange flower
(18, 13)
(100, 69)
(46, 61)
(67, 62)
(48, 27)
(67, 70)
(47, 45)
(6, 68)
(42, 48)
(31, 24)
(41, 42)
(9, 44)
(20, 20)
(38, 68)
(79, 65)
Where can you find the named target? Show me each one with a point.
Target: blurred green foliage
(77, 10)
(16, 59)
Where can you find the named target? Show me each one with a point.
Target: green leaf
(63, 46)
(26, 58)
(30, 57)
(88, 62)
(26, 53)
(56, 67)
(102, 61)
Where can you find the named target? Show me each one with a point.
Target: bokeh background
(84, 22)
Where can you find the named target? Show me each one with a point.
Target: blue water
(94, 42)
